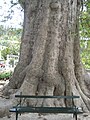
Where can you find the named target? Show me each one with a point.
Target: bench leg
(75, 115)
(16, 115)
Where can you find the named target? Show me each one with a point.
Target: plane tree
(49, 61)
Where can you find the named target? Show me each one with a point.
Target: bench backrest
(46, 97)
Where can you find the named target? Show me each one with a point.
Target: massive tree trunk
(50, 61)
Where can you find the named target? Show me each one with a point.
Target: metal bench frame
(19, 108)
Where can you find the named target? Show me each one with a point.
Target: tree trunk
(50, 61)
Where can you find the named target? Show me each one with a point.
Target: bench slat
(46, 110)
(32, 96)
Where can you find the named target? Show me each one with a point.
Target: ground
(35, 116)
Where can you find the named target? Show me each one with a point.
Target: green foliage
(85, 53)
(85, 34)
(5, 75)
(5, 52)
(85, 20)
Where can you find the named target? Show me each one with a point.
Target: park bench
(18, 109)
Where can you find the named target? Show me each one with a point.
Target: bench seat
(46, 110)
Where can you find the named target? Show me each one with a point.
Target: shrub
(5, 75)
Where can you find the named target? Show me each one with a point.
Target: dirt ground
(35, 116)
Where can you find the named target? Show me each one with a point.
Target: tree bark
(50, 61)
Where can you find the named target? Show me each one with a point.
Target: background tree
(50, 62)
(10, 39)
